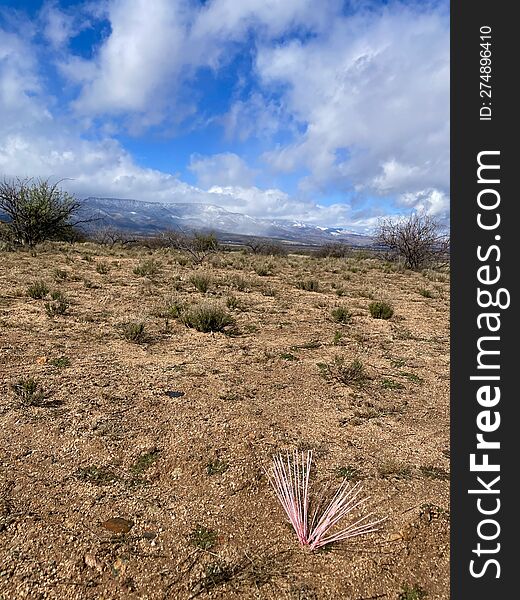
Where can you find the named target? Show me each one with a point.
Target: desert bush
(169, 309)
(146, 268)
(38, 211)
(60, 275)
(58, 306)
(38, 290)
(266, 247)
(239, 283)
(353, 373)
(381, 310)
(207, 318)
(29, 392)
(333, 250)
(426, 293)
(111, 236)
(201, 281)
(309, 285)
(133, 331)
(418, 240)
(341, 314)
(197, 245)
(103, 268)
(262, 269)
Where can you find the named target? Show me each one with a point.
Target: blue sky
(331, 112)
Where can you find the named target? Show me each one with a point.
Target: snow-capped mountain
(148, 217)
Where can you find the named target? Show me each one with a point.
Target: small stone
(173, 394)
(149, 535)
(93, 562)
(41, 360)
(176, 473)
(118, 525)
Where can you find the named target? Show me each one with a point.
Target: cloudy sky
(332, 112)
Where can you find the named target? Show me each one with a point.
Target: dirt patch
(163, 431)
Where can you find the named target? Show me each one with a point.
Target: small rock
(118, 525)
(176, 473)
(41, 360)
(173, 394)
(93, 562)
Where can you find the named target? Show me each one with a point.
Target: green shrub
(309, 285)
(381, 310)
(412, 593)
(60, 275)
(37, 211)
(147, 268)
(203, 538)
(353, 374)
(207, 318)
(59, 305)
(38, 290)
(29, 392)
(341, 314)
(102, 268)
(134, 331)
(201, 281)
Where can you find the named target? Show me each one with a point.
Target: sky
(330, 112)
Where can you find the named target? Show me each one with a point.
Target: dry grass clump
(58, 306)
(134, 331)
(208, 317)
(353, 373)
(29, 392)
(201, 281)
(341, 314)
(147, 268)
(38, 290)
(381, 310)
(309, 285)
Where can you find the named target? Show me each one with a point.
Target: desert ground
(133, 447)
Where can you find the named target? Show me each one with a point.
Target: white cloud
(226, 169)
(369, 93)
(149, 54)
(377, 90)
(58, 27)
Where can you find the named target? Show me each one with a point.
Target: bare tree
(418, 240)
(198, 245)
(111, 236)
(266, 247)
(37, 211)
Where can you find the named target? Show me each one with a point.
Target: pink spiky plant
(289, 476)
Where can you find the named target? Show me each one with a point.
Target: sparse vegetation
(134, 331)
(203, 538)
(201, 281)
(352, 373)
(58, 306)
(103, 268)
(217, 406)
(38, 290)
(414, 592)
(309, 285)
(217, 467)
(341, 314)
(381, 310)
(207, 318)
(29, 392)
(147, 268)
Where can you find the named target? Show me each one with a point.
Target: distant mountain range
(147, 218)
